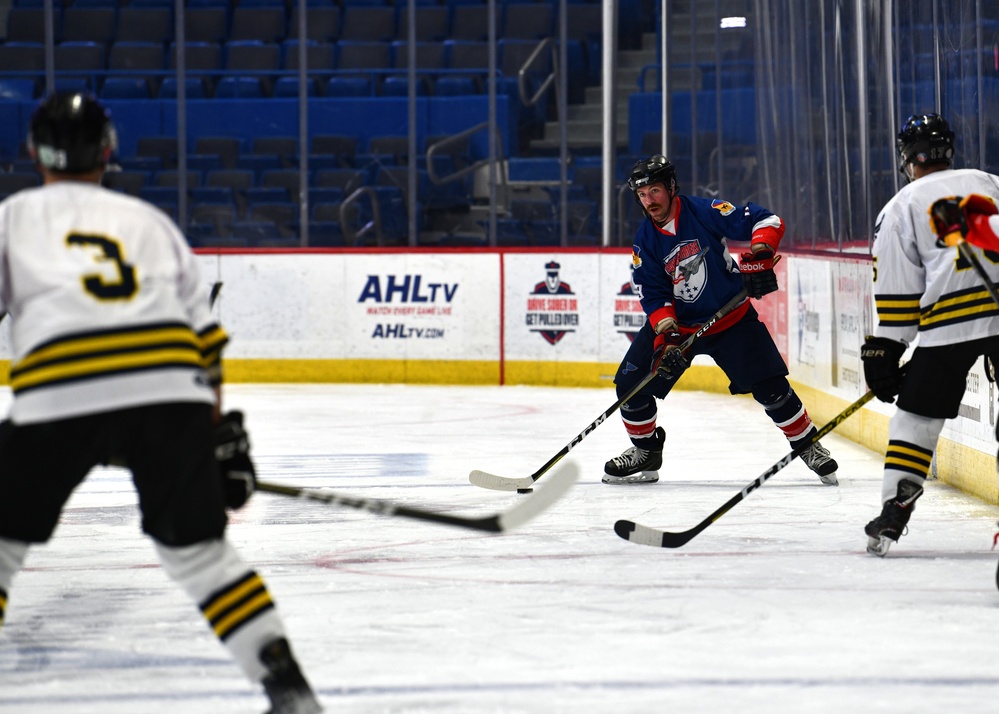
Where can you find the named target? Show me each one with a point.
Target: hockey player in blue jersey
(683, 274)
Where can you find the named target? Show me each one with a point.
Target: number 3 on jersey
(95, 284)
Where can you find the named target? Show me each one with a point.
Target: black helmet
(655, 169)
(71, 133)
(924, 139)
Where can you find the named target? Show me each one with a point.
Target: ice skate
(818, 459)
(891, 524)
(285, 686)
(637, 465)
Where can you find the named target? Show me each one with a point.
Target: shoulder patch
(636, 259)
(723, 207)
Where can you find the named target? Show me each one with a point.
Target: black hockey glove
(232, 453)
(881, 367)
(758, 275)
(667, 359)
(949, 222)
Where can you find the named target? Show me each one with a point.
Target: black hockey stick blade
(484, 479)
(524, 511)
(645, 535)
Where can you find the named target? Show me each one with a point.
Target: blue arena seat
(124, 88)
(265, 24)
(368, 23)
(239, 87)
(90, 24)
(348, 87)
(194, 88)
(322, 23)
(145, 24)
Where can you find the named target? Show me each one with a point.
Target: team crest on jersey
(723, 207)
(684, 265)
(552, 309)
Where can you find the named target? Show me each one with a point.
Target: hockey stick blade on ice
(484, 479)
(645, 535)
(524, 511)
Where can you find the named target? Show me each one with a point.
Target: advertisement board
(398, 306)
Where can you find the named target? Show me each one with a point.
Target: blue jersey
(686, 266)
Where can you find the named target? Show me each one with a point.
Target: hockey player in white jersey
(116, 357)
(922, 286)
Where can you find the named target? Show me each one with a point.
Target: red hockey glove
(667, 359)
(977, 209)
(758, 273)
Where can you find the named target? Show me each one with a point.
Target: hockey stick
(637, 533)
(965, 250)
(500, 483)
(214, 294)
(525, 510)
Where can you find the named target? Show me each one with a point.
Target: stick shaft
(383, 508)
(968, 254)
(525, 510)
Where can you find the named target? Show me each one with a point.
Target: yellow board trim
(361, 371)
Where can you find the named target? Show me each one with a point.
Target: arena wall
(558, 317)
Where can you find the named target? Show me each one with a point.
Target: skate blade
(644, 477)
(829, 479)
(878, 546)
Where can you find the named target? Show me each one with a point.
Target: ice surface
(775, 608)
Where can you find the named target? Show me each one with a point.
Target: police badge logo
(550, 311)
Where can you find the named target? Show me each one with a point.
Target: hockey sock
(12, 553)
(232, 597)
(639, 417)
(785, 409)
(911, 442)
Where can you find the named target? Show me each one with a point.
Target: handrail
(522, 73)
(437, 147)
(374, 224)
(641, 75)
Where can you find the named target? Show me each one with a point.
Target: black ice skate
(637, 465)
(285, 686)
(890, 525)
(818, 459)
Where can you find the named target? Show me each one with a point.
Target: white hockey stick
(524, 511)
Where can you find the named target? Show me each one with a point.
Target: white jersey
(922, 287)
(107, 304)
